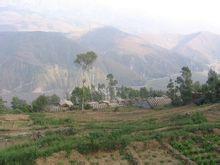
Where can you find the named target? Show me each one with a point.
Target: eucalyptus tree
(111, 85)
(85, 61)
(2, 104)
(185, 85)
(212, 92)
(102, 90)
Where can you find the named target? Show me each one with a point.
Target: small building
(151, 102)
(99, 105)
(93, 104)
(103, 105)
(159, 101)
(52, 108)
(114, 105)
(66, 103)
(142, 104)
(124, 102)
(106, 102)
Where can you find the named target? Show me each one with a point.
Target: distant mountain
(32, 63)
(203, 46)
(167, 41)
(133, 52)
(36, 62)
(13, 18)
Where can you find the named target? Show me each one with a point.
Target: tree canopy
(85, 60)
(183, 91)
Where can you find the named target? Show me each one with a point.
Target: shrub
(198, 118)
(195, 118)
(40, 103)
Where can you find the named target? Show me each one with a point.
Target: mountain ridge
(32, 63)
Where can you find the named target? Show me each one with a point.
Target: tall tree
(80, 94)
(212, 92)
(111, 85)
(85, 60)
(102, 91)
(217, 89)
(53, 100)
(185, 85)
(197, 87)
(2, 104)
(127, 92)
(144, 93)
(172, 92)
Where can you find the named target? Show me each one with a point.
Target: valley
(27, 58)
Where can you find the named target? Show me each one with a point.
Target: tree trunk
(83, 97)
(83, 100)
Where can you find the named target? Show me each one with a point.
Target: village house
(97, 105)
(65, 105)
(159, 101)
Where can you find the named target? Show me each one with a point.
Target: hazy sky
(181, 16)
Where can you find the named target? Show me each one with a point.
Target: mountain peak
(105, 37)
(107, 30)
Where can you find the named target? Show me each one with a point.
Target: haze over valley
(109, 82)
(37, 50)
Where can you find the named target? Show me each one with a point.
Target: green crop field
(189, 134)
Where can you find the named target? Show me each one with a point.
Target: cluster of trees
(131, 93)
(180, 91)
(85, 61)
(43, 101)
(183, 90)
(111, 91)
(39, 104)
(84, 94)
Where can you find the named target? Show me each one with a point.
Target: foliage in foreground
(105, 136)
(201, 149)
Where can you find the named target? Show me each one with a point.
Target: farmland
(188, 134)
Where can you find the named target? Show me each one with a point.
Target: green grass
(92, 142)
(40, 120)
(195, 118)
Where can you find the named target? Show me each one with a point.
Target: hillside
(188, 135)
(145, 59)
(32, 63)
(203, 46)
(36, 62)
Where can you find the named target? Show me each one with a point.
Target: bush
(195, 118)
(40, 103)
(53, 100)
(20, 105)
(87, 106)
(198, 118)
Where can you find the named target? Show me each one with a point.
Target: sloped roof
(66, 102)
(158, 101)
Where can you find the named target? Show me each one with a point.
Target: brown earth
(141, 154)
(87, 116)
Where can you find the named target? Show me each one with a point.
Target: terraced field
(184, 135)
